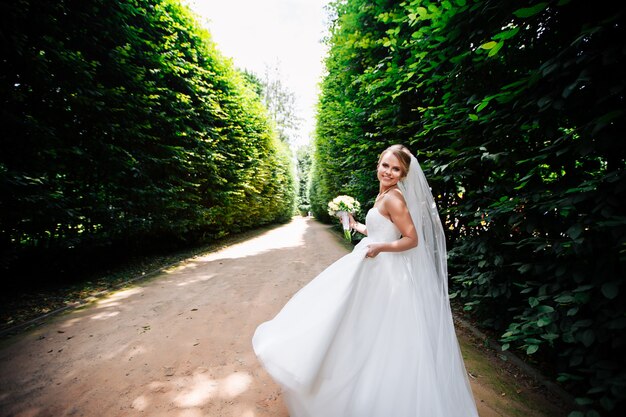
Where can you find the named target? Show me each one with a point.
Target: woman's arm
(395, 208)
(359, 227)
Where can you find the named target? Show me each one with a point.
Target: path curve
(178, 344)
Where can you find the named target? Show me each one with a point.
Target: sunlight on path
(177, 344)
(281, 238)
(202, 388)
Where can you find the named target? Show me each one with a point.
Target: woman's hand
(373, 249)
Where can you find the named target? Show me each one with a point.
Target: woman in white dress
(372, 335)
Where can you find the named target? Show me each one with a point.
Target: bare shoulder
(396, 199)
(394, 202)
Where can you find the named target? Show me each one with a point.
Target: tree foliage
(279, 101)
(123, 125)
(303, 157)
(281, 104)
(516, 113)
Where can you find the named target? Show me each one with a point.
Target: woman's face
(389, 170)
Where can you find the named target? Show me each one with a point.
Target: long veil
(421, 204)
(431, 249)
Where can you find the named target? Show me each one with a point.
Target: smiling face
(390, 170)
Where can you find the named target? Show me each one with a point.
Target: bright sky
(258, 34)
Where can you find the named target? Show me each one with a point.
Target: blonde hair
(402, 153)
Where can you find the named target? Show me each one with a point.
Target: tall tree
(303, 156)
(281, 104)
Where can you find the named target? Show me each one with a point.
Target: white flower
(343, 203)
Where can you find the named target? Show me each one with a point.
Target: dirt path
(178, 345)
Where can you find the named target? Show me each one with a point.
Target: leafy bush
(124, 127)
(516, 114)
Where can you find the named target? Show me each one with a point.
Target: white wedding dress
(370, 337)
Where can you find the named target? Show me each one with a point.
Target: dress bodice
(380, 228)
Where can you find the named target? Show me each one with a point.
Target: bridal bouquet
(340, 206)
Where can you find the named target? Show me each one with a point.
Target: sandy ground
(178, 344)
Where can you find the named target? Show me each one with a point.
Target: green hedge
(124, 126)
(516, 112)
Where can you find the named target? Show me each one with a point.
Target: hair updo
(402, 153)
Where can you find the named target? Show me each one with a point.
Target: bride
(372, 335)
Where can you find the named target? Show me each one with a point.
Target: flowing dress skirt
(368, 337)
